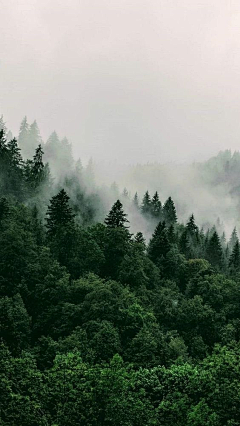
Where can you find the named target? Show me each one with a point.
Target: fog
(127, 81)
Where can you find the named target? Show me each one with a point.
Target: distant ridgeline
(97, 326)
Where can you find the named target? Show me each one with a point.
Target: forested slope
(101, 327)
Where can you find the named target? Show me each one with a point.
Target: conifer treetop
(116, 218)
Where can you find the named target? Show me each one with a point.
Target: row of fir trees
(99, 327)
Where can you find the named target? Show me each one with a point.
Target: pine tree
(3, 148)
(156, 207)
(125, 193)
(79, 169)
(233, 239)
(139, 243)
(159, 244)
(169, 212)
(89, 175)
(15, 153)
(136, 201)
(184, 244)
(172, 237)
(139, 238)
(214, 251)
(15, 174)
(234, 260)
(52, 145)
(23, 138)
(51, 150)
(3, 125)
(116, 217)
(59, 213)
(146, 204)
(223, 240)
(11, 176)
(191, 226)
(36, 172)
(66, 154)
(34, 138)
(38, 165)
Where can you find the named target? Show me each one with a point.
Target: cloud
(133, 80)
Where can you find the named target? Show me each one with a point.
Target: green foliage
(59, 213)
(159, 244)
(169, 212)
(97, 326)
(116, 217)
(214, 251)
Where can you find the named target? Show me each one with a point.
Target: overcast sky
(126, 80)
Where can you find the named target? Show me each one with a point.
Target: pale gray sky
(126, 80)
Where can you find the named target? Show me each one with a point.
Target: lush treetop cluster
(98, 326)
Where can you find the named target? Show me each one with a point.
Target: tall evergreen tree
(66, 154)
(125, 193)
(172, 237)
(89, 175)
(223, 240)
(79, 170)
(139, 238)
(23, 138)
(156, 207)
(214, 251)
(191, 226)
(34, 138)
(53, 155)
(146, 204)
(169, 212)
(11, 177)
(3, 150)
(233, 239)
(159, 244)
(185, 244)
(15, 153)
(16, 175)
(116, 218)
(234, 260)
(36, 172)
(59, 213)
(135, 200)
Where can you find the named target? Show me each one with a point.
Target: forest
(103, 326)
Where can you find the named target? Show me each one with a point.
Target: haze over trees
(101, 324)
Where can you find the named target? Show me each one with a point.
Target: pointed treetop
(233, 238)
(214, 250)
(24, 124)
(135, 200)
(156, 206)
(191, 226)
(59, 212)
(234, 260)
(116, 218)
(159, 243)
(15, 152)
(125, 193)
(146, 203)
(34, 134)
(139, 238)
(169, 212)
